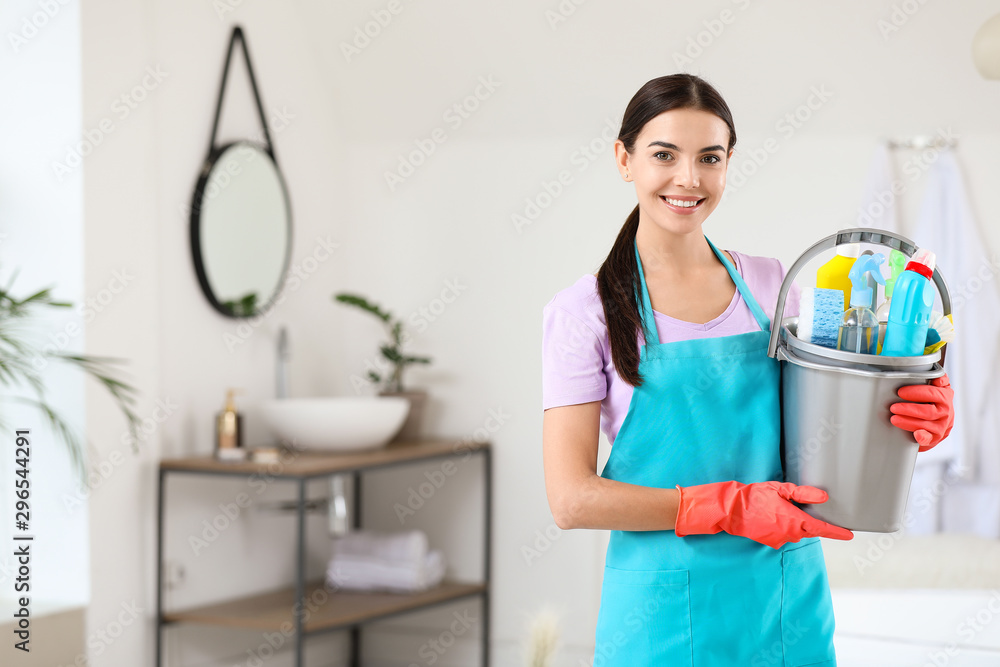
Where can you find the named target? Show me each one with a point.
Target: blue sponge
(820, 314)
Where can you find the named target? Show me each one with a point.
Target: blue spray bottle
(859, 328)
(910, 310)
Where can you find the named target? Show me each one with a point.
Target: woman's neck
(674, 256)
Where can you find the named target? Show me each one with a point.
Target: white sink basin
(336, 423)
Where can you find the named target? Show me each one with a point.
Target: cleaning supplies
(910, 312)
(859, 328)
(897, 263)
(865, 462)
(820, 313)
(940, 332)
(833, 274)
(229, 432)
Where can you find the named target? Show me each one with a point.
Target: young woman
(665, 349)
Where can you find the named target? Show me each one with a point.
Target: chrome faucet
(337, 518)
(282, 365)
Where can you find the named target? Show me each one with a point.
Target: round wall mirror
(241, 229)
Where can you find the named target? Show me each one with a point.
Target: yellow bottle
(833, 274)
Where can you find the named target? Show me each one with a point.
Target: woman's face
(679, 167)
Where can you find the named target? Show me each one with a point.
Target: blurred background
(453, 162)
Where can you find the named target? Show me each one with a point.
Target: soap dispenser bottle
(229, 431)
(859, 328)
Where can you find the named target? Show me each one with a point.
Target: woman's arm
(578, 497)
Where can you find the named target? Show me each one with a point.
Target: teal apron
(708, 411)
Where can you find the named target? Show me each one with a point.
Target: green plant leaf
(391, 353)
(62, 430)
(18, 367)
(416, 360)
(361, 302)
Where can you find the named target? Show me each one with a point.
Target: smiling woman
(678, 163)
(713, 155)
(710, 562)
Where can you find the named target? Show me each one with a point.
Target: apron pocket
(644, 619)
(806, 607)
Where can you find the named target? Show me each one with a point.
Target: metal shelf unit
(343, 609)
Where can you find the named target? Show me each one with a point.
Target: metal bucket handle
(854, 235)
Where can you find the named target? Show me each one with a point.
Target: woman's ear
(621, 158)
(729, 159)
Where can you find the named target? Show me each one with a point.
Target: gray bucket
(836, 433)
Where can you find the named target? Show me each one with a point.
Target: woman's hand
(762, 512)
(930, 415)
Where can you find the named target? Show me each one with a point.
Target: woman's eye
(663, 155)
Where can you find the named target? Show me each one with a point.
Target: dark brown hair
(618, 278)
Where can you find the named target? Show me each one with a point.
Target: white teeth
(681, 203)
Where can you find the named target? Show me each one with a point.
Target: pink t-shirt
(576, 355)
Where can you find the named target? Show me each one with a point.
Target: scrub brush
(940, 332)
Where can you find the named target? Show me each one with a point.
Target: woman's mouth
(684, 206)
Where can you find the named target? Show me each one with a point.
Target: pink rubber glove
(931, 417)
(759, 511)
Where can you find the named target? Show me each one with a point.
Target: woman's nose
(686, 174)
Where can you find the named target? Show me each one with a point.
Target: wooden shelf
(344, 608)
(314, 464)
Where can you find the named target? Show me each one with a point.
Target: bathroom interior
(415, 181)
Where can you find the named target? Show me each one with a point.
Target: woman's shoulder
(759, 267)
(582, 301)
(764, 276)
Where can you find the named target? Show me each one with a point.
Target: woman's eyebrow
(674, 147)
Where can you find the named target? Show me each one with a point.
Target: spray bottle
(859, 328)
(897, 262)
(910, 312)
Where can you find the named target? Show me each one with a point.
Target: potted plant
(392, 384)
(21, 364)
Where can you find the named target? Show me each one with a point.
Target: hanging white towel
(923, 504)
(972, 451)
(972, 508)
(878, 201)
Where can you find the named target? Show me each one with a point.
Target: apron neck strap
(646, 309)
(758, 312)
(649, 332)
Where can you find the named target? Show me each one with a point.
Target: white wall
(41, 236)
(449, 221)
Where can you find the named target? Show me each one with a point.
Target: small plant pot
(411, 427)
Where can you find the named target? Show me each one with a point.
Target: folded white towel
(369, 573)
(408, 546)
